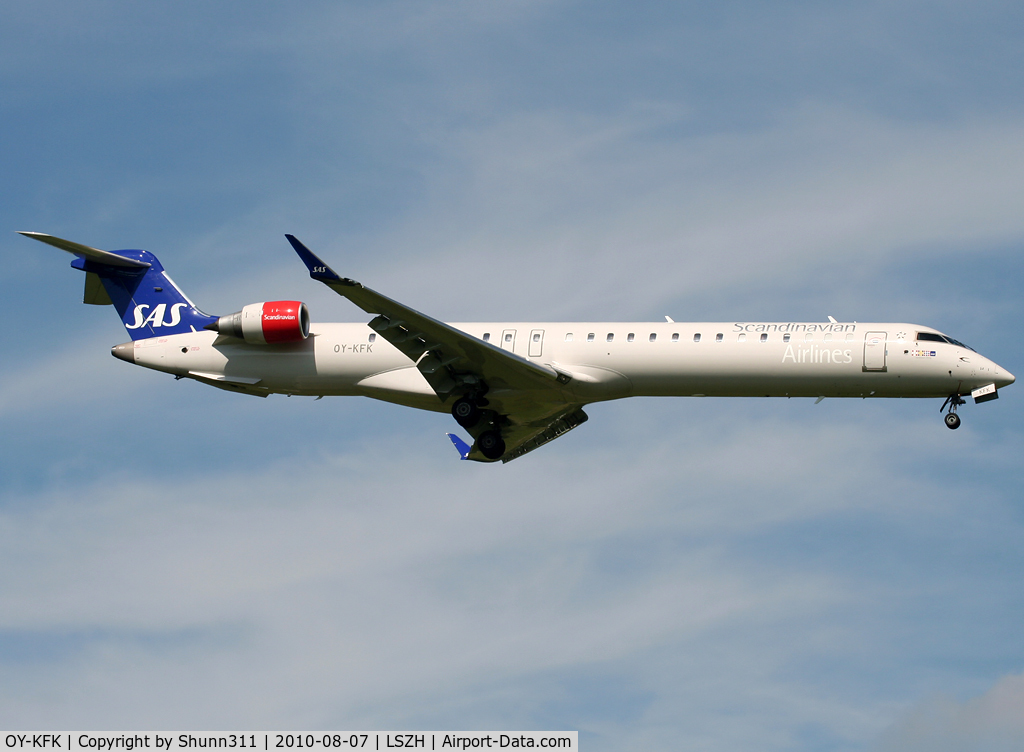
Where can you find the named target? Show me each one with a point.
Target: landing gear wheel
(465, 412)
(954, 401)
(491, 445)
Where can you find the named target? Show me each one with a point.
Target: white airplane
(513, 386)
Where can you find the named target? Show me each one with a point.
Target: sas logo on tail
(156, 318)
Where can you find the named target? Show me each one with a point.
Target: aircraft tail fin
(135, 283)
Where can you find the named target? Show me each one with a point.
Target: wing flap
(526, 437)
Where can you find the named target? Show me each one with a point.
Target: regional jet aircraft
(513, 386)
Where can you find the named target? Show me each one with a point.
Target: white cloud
(382, 588)
(993, 722)
(600, 214)
(59, 378)
(552, 215)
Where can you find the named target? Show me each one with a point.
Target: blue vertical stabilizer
(146, 299)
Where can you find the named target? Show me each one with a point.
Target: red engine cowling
(267, 323)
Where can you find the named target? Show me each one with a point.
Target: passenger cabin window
(372, 338)
(741, 338)
(568, 337)
(610, 337)
(785, 337)
(809, 336)
(849, 337)
(629, 337)
(696, 337)
(828, 337)
(487, 336)
(719, 337)
(764, 337)
(653, 337)
(590, 337)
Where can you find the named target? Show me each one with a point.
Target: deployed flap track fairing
(529, 388)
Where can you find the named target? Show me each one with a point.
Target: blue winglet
(318, 270)
(461, 446)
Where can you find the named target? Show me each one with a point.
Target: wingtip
(318, 270)
(460, 446)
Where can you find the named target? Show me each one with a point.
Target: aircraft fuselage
(605, 360)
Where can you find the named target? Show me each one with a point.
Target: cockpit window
(960, 344)
(933, 337)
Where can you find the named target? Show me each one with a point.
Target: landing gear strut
(952, 419)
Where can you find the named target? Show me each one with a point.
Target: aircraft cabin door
(508, 340)
(874, 351)
(536, 342)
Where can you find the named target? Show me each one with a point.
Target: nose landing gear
(952, 419)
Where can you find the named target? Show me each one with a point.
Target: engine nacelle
(266, 323)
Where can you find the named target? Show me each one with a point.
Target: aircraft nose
(1005, 378)
(125, 351)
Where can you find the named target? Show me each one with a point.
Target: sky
(676, 574)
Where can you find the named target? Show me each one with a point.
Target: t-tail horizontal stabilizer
(460, 446)
(135, 283)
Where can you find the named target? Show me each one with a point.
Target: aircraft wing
(528, 395)
(447, 357)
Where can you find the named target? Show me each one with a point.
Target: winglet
(461, 446)
(318, 270)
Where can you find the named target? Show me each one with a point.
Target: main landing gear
(468, 412)
(952, 419)
(490, 444)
